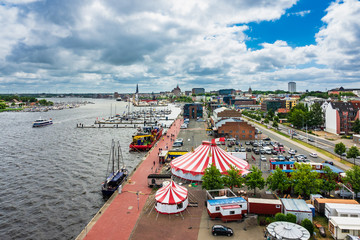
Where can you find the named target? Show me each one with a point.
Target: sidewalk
(118, 220)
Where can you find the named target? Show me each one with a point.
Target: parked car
(281, 158)
(248, 149)
(256, 151)
(221, 230)
(262, 151)
(314, 155)
(311, 140)
(291, 151)
(247, 143)
(274, 152)
(262, 158)
(329, 162)
(242, 149)
(237, 149)
(231, 139)
(267, 139)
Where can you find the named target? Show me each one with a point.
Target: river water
(51, 176)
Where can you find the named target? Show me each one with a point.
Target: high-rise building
(292, 87)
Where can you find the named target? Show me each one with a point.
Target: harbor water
(51, 176)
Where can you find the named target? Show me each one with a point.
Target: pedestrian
(154, 163)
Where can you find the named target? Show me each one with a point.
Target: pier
(118, 217)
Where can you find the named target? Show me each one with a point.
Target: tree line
(302, 181)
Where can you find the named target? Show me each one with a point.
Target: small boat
(119, 99)
(116, 175)
(146, 137)
(42, 122)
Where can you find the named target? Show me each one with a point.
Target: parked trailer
(158, 179)
(319, 203)
(264, 206)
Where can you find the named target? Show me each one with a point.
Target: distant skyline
(111, 45)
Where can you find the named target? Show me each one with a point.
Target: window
(278, 206)
(180, 205)
(232, 212)
(353, 215)
(250, 131)
(230, 131)
(240, 205)
(243, 131)
(217, 208)
(343, 215)
(250, 136)
(222, 131)
(291, 166)
(345, 230)
(237, 131)
(243, 136)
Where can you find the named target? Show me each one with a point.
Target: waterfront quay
(118, 217)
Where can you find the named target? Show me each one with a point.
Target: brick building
(193, 110)
(339, 117)
(223, 113)
(234, 128)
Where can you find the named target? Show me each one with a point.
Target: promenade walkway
(118, 220)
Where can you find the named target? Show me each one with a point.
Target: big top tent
(192, 165)
(171, 199)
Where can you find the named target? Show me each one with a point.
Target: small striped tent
(171, 199)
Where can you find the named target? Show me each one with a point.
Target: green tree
(353, 178)
(280, 217)
(306, 223)
(329, 180)
(278, 180)
(212, 178)
(305, 181)
(276, 119)
(3, 105)
(353, 152)
(270, 114)
(340, 148)
(275, 124)
(290, 218)
(266, 121)
(316, 115)
(297, 117)
(356, 126)
(233, 178)
(254, 179)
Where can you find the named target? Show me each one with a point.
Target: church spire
(137, 88)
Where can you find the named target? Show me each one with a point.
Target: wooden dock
(137, 125)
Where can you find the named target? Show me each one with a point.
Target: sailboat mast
(113, 156)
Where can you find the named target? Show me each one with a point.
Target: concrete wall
(330, 120)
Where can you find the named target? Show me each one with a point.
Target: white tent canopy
(287, 231)
(192, 165)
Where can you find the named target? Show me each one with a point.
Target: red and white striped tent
(171, 199)
(192, 165)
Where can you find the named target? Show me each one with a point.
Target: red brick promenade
(119, 219)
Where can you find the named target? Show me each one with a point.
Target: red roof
(171, 194)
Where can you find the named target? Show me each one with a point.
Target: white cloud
(300, 14)
(116, 44)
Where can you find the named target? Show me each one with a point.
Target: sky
(73, 46)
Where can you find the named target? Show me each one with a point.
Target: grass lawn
(322, 220)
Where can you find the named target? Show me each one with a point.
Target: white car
(262, 158)
(314, 155)
(292, 152)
